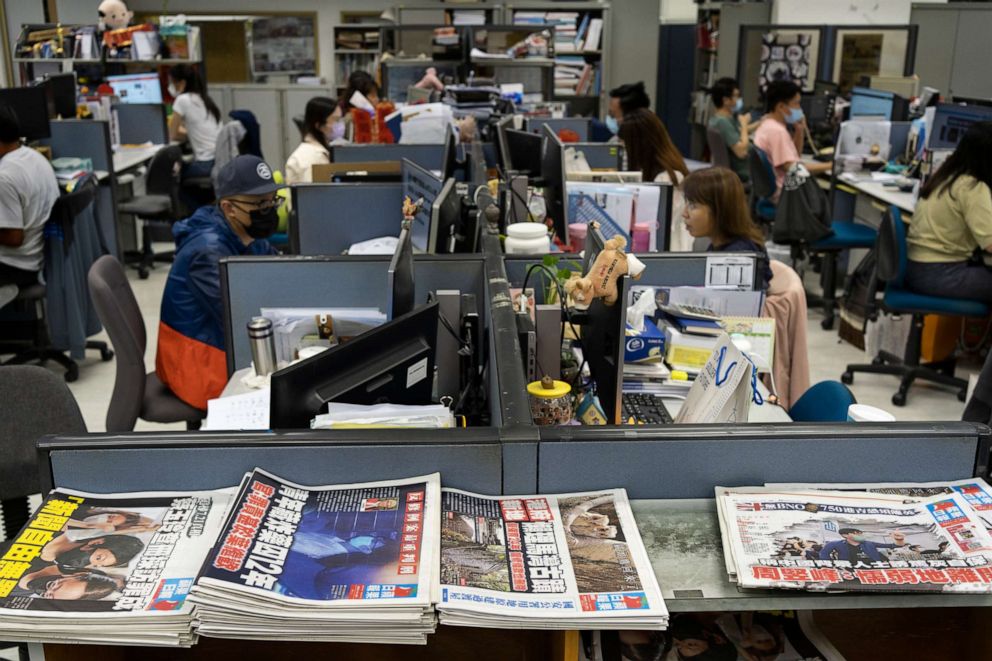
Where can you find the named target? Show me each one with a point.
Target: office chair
(159, 207)
(719, 151)
(845, 235)
(891, 268)
(136, 394)
(827, 401)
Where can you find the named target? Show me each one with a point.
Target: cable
(561, 302)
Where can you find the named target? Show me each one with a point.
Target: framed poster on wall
(872, 51)
(771, 52)
(283, 45)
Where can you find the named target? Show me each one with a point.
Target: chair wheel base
(899, 399)
(847, 378)
(71, 373)
(106, 355)
(827, 324)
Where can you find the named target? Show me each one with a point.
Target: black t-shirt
(856, 553)
(741, 244)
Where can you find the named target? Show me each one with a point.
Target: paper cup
(865, 413)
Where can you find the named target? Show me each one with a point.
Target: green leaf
(550, 260)
(564, 274)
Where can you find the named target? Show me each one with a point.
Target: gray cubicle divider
(91, 139)
(430, 157)
(466, 458)
(681, 269)
(578, 124)
(898, 138)
(687, 461)
(139, 123)
(600, 155)
(328, 218)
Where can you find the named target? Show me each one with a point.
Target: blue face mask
(739, 105)
(612, 124)
(795, 116)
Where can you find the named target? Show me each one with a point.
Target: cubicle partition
(140, 123)
(91, 139)
(600, 155)
(328, 218)
(578, 125)
(429, 157)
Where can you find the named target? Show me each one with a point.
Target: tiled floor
(828, 356)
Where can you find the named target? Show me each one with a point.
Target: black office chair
(719, 151)
(891, 269)
(159, 207)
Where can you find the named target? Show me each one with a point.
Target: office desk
(887, 195)
(125, 159)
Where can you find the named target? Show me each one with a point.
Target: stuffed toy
(430, 81)
(114, 15)
(601, 281)
(411, 208)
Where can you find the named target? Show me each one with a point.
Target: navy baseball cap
(245, 175)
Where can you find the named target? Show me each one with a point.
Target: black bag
(803, 213)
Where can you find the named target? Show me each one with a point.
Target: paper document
(338, 416)
(239, 412)
(728, 272)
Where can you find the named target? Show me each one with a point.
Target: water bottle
(263, 345)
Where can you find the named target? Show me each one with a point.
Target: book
(692, 325)
(595, 33)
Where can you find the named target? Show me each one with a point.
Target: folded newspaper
(109, 568)
(803, 538)
(346, 563)
(566, 561)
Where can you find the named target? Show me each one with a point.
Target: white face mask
(173, 92)
(98, 518)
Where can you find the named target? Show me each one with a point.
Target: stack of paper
(468, 17)
(110, 568)
(567, 561)
(352, 416)
(348, 563)
(879, 538)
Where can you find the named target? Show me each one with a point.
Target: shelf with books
(356, 45)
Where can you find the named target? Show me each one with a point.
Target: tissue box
(644, 346)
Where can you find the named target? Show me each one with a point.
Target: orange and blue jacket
(191, 359)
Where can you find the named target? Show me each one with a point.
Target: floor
(827, 354)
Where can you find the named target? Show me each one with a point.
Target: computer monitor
(137, 88)
(60, 92)
(553, 177)
(951, 122)
(392, 363)
(866, 102)
(524, 151)
(450, 163)
(30, 104)
(502, 151)
(419, 182)
(446, 220)
(399, 276)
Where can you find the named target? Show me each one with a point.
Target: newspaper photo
(84, 559)
(834, 540)
(331, 562)
(568, 560)
(732, 636)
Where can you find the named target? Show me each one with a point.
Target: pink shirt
(774, 139)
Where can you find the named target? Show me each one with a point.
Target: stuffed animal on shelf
(601, 280)
(114, 15)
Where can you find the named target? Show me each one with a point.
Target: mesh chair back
(163, 174)
(120, 315)
(719, 151)
(890, 247)
(36, 403)
(762, 174)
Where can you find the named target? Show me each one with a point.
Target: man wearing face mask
(191, 360)
(624, 100)
(782, 103)
(727, 100)
(855, 548)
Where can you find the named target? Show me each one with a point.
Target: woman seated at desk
(323, 126)
(650, 151)
(195, 117)
(953, 218)
(716, 209)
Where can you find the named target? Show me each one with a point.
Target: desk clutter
(371, 563)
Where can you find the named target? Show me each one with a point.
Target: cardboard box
(644, 346)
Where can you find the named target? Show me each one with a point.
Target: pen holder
(550, 401)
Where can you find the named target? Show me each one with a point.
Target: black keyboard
(644, 409)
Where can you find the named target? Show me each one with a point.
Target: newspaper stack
(568, 561)
(896, 538)
(349, 563)
(109, 568)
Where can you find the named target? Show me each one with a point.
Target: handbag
(803, 212)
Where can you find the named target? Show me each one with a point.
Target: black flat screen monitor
(450, 163)
(524, 150)
(30, 104)
(60, 91)
(553, 176)
(401, 290)
(499, 139)
(446, 220)
(421, 183)
(393, 363)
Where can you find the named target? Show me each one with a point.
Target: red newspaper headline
(245, 527)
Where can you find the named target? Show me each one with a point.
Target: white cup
(865, 413)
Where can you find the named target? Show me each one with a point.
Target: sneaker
(7, 294)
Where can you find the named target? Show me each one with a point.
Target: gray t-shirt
(731, 134)
(28, 191)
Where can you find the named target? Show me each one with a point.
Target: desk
(887, 195)
(125, 159)
(682, 538)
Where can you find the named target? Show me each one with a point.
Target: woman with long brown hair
(716, 208)
(651, 152)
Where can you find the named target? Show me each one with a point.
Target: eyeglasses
(264, 205)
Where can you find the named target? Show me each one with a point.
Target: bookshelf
(582, 35)
(356, 46)
(462, 14)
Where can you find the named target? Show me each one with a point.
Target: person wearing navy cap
(191, 349)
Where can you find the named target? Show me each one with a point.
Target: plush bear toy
(601, 281)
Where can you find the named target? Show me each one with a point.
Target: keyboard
(645, 409)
